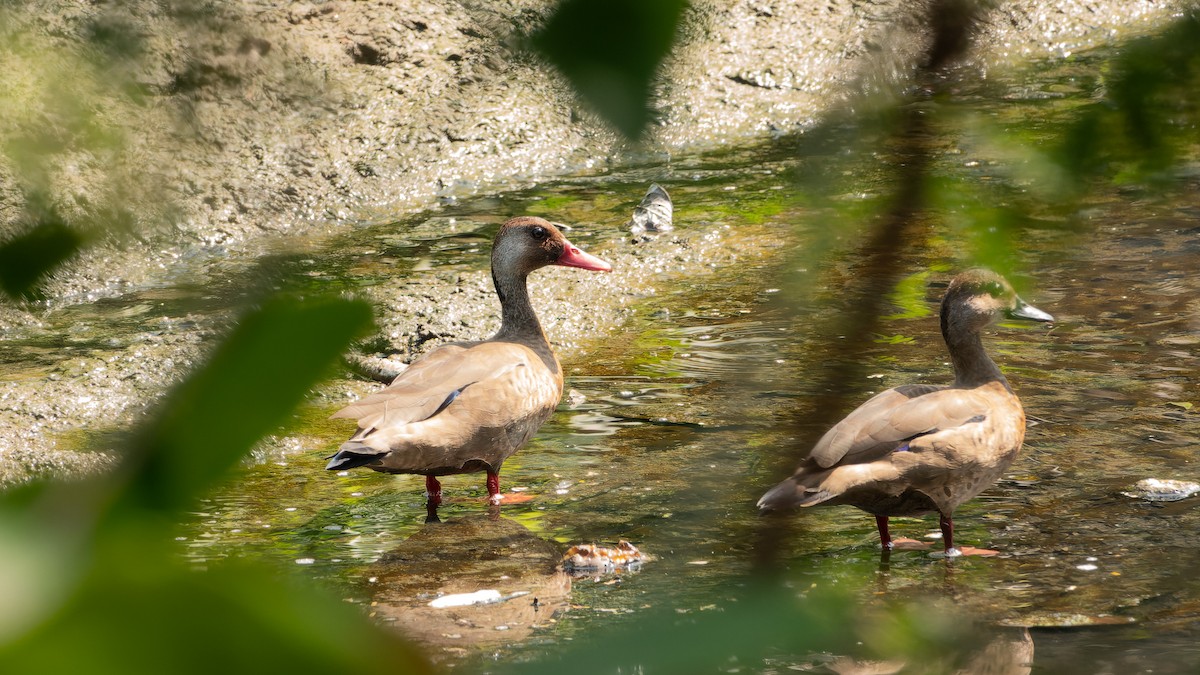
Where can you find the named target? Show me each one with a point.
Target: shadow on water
(662, 435)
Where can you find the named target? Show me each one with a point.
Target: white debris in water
(1162, 490)
(654, 213)
(1087, 568)
(305, 561)
(483, 597)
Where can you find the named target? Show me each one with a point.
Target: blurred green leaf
(255, 378)
(909, 296)
(154, 616)
(120, 595)
(766, 622)
(990, 228)
(765, 618)
(27, 259)
(1150, 114)
(610, 51)
(42, 554)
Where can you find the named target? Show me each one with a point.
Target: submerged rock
(590, 558)
(1162, 490)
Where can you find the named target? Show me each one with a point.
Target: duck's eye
(539, 233)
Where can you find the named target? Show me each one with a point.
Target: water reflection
(465, 555)
(1004, 651)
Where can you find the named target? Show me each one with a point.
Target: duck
(920, 448)
(466, 407)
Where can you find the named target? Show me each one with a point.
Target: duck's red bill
(573, 256)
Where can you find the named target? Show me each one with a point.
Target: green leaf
(662, 641)
(766, 621)
(909, 296)
(156, 616)
(610, 51)
(1147, 122)
(246, 390)
(26, 260)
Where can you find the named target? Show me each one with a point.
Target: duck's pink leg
(947, 524)
(952, 551)
(493, 487)
(898, 544)
(885, 537)
(433, 499)
(433, 491)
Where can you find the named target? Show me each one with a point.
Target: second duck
(921, 448)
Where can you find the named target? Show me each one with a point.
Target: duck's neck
(972, 366)
(518, 321)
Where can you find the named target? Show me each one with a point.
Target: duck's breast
(955, 464)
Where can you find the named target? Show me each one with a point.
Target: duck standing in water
(468, 406)
(920, 448)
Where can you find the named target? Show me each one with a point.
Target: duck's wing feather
(443, 377)
(473, 416)
(892, 417)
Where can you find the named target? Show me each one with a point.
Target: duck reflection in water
(466, 407)
(513, 572)
(923, 448)
(1000, 651)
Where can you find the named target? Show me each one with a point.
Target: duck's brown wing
(431, 384)
(484, 404)
(891, 417)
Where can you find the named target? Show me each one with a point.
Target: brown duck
(468, 406)
(921, 448)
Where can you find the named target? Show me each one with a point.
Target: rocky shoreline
(267, 121)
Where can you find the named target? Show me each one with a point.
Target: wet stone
(1162, 490)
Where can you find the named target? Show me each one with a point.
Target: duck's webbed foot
(906, 544)
(960, 551)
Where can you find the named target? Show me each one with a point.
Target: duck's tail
(809, 488)
(782, 497)
(353, 454)
(791, 493)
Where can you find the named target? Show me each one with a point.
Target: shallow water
(675, 425)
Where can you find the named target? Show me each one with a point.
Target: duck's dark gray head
(526, 243)
(978, 297)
